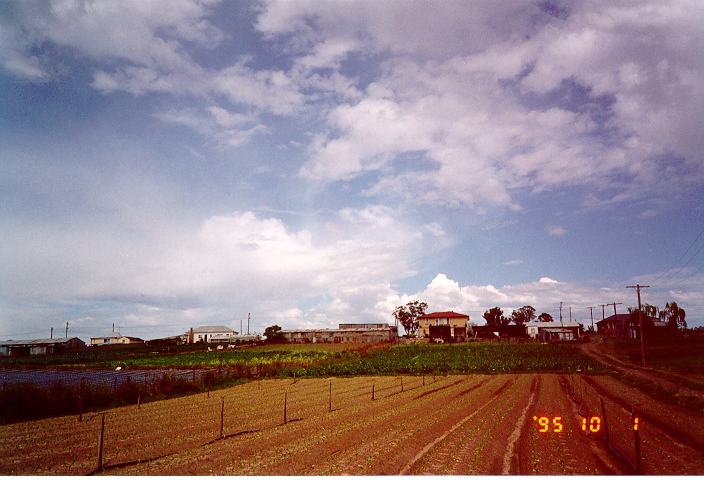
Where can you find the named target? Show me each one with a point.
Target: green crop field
(323, 360)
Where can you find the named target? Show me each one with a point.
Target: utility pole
(570, 313)
(52, 333)
(66, 329)
(591, 314)
(640, 321)
(241, 332)
(602, 310)
(561, 315)
(614, 304)
(248, 324)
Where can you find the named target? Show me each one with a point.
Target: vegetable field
(455, 424)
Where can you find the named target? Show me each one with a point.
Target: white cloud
(465, 110)
(223, 128)
(556, 231)
(229, 263)
(510, 263)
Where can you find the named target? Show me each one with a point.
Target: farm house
(454, 326)
(115, 340)
(210, 334)
(45, 346)
(551, 331)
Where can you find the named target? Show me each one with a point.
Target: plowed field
(461, 424)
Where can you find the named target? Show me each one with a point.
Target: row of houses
(52, 346)
(451, 326)
(445, 327)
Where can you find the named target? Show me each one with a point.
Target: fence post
(139, 401)
(285, 405)
(424, 380)
(636, 441)
(606, 423)
(222, 418)
(373, 392)
(402, 383)
(100, 442)
(330, 397)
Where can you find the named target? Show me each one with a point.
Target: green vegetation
(486, 357)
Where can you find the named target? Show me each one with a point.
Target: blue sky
(166, 165)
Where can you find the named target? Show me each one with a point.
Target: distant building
(347, 333)
(457, 324)
(553, 331)
(45, 346)
(623, 325)
(115, 340)
(211, 334)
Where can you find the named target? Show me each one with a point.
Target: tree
(273, 334)
(523, 315)
(674, 315)
(545, 317)
(407, 315)
(495, 317)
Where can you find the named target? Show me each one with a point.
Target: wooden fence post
(330, 397)
(636, 442)
(373, 392)
(100, 442)
(424, 380)
(604, 421)
(402, 383)
(222, 418)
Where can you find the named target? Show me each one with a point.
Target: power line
(669, 272)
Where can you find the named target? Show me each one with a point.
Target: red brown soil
(476, 424)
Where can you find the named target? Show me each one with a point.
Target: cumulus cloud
(568, 98)
(229, 263)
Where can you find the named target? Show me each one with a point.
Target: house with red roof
(450, 326)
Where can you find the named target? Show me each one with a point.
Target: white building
(547, 331)
(115, 340)
(211, 334)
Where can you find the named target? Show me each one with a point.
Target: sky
(165, 165)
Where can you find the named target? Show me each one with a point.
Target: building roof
(623, 317)
(449, 314)
(213, 329)
(117, 336)
(39, 342)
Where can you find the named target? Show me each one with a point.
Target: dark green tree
(495, 317)
(523, 315)
(545, 317)
(674, 315)
(407, 315)
(273, 334)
